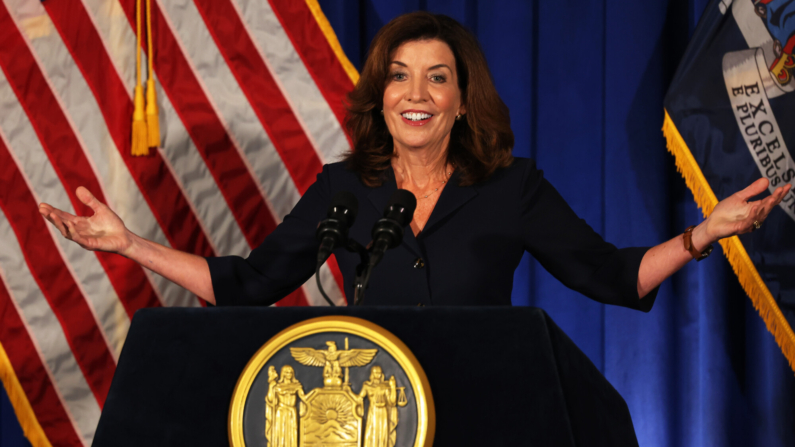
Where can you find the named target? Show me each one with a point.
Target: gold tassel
(140, 145)
(152, 119)
(139, 139)
(19, 401)
(734, 250)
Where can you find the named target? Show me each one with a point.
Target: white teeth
(413, 116)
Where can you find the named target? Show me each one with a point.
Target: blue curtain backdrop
(585, 80)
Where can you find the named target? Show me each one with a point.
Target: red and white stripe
(250, 96)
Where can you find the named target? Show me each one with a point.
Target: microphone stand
(362, 270)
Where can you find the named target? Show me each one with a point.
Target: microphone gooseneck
(333, 231)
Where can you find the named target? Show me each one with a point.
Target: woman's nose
(418, 91)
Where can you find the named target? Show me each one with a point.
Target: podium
(499, 376)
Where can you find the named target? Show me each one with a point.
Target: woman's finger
(784, 190)
(64, 216)
(73, 234)
(58, 219)
(754, 189)
(54, 220)
(49, 210)
(762, 208)
(773, 200)
(46, 210)
(58, 224)
(88, 199)
(760, 215)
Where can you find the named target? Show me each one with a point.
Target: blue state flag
(730, 119)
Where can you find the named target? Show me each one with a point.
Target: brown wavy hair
(480, 142)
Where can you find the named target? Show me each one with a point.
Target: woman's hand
(103, 231)
(736, 214)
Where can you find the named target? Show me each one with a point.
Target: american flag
(250, 96)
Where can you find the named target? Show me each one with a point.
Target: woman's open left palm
(736, 214)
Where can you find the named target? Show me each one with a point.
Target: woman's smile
(416, 117)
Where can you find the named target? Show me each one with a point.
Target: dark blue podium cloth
(499, 376)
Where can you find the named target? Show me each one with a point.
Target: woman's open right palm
(103, 231)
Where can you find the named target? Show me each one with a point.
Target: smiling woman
(425, 63)
(426, 117)
(422, 98)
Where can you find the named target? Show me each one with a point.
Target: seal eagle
(333, 360)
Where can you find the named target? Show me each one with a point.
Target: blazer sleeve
(573, 252)
(282, 263)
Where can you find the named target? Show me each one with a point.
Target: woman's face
(422, 99)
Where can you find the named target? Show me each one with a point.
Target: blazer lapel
(452, 198)
(380, 196)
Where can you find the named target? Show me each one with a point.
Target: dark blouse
(470, 246)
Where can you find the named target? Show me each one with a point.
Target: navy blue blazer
(470, 246)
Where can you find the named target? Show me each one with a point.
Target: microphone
(388, 231)
(333, 230)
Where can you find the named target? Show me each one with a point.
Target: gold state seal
(371, 393)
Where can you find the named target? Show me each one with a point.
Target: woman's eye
(398, 76)
(438, 78)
